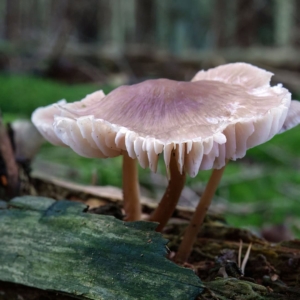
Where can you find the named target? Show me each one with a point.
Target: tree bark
(246, 23)
(284, 22)
(218, 23)
(12, 18)
(11, 179)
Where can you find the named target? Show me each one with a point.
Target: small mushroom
(27, 140)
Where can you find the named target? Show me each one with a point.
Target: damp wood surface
(57, 246)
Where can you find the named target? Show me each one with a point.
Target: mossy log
(57, 246)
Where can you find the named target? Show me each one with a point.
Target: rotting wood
(55, 245)
(213, 238)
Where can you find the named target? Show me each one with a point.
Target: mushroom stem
(131, 190)
(171, 196)
(193, 228)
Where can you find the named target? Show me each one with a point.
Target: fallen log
(57, 246)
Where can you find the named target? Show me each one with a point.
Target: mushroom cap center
(170, 110)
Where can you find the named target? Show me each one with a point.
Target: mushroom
(27, 140)
(197, 125)
(264, 128)
(61, 124)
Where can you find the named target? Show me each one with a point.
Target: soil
(276, 267)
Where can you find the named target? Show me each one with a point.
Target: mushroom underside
(92, 137)
(293, 116)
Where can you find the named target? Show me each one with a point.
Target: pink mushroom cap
(217, 116)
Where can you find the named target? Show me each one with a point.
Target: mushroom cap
(218, 116)
(243, 74)
(293, 116)
(43, 118)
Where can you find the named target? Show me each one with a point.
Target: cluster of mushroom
(197, 125)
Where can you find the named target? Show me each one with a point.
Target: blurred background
(55, 49)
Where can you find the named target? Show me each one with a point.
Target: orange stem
(193, 228)
(168, 203)
(131, 189)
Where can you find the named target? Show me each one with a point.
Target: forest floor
(258, 197)
(271, 272)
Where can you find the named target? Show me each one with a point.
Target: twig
(7, 154)
(245, 260)
(240, 254)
